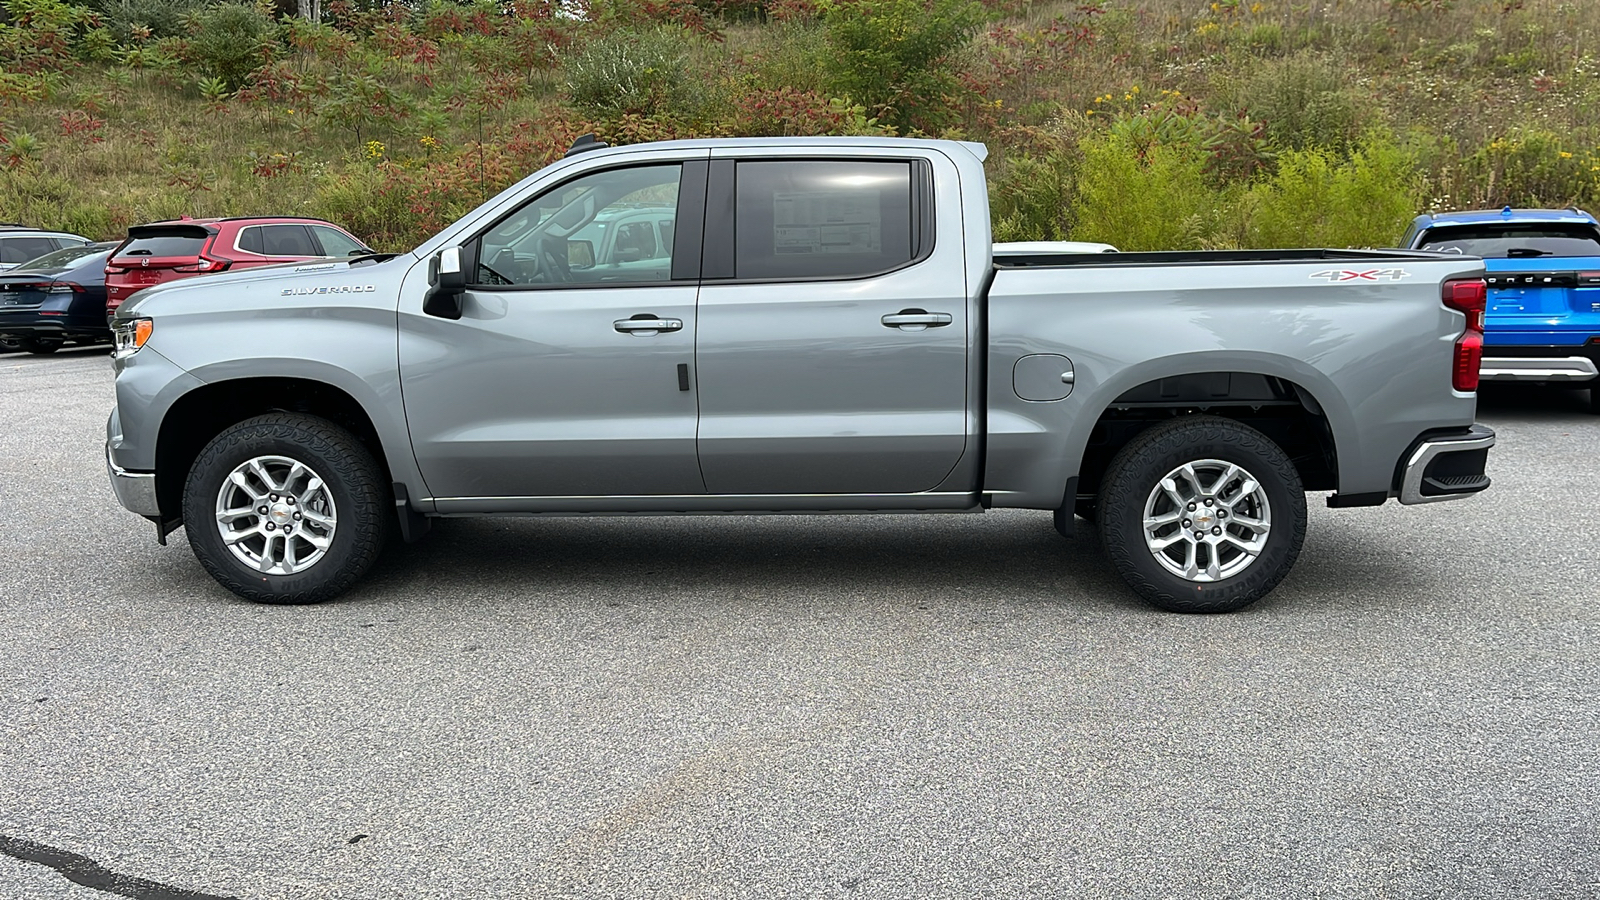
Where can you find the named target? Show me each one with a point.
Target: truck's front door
(832, 352)
(562, 377)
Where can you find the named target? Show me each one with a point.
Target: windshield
(62, 260)
(1514, 241)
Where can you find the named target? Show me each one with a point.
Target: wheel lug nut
(297, 517)
(271, 526)
(1208, 502)
(1191, 507)
(1222, 514)
(1216, 530)
(262, 510)
(289, 501)
(274, 498)
(1187, 523)
(1199, 534)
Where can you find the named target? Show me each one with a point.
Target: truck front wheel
(1202, 514)
(285, 508)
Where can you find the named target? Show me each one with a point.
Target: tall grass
(1151, 124)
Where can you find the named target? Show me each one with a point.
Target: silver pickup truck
(822, 325)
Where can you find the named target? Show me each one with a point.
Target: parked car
(20, 243)
(57, 299)
(1542, 321)
(829, 331)
(167, 251)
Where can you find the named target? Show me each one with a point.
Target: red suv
(167, 251)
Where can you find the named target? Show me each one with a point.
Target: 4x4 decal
(1337, 276)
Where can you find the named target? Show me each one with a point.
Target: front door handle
(647, 324)
(917, 320)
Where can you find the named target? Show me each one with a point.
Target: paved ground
(905, 707)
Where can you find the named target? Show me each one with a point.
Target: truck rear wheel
(1202, 514)
(285, 508)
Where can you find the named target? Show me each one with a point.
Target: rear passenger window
(287, 240)
(250, 240)
(22, 249)
(818, 219)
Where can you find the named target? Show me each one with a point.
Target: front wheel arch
(203, 413)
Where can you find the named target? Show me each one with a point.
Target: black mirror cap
(448, 282)
(584, 144)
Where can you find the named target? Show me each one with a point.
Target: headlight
(128, 335)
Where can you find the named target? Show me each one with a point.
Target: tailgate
(1543, 300)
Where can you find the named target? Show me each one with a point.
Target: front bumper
(136, 491)
(1446, 466)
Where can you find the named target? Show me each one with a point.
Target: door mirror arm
(447, 282)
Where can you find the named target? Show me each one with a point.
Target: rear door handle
(917, 320)
(647, 324)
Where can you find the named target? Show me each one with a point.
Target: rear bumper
(42, 327)
(1446, 466)
(136, 491)
(1542, 363)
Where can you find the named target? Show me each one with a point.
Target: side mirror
(448, 282)
(580, 254)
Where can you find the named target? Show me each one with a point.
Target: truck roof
(979, 150)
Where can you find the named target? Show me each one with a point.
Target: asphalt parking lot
(876, 707)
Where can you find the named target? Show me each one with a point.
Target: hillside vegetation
(1151, 124)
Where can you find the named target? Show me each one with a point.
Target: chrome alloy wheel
(1207, 520)
(276, 515)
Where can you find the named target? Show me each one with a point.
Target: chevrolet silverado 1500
(822, 326)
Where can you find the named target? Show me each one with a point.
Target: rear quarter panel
(1376, 356)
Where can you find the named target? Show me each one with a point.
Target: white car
(19, 243)
(1013, 247)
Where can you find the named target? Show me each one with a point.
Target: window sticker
(826, 222)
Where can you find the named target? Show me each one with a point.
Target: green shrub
(370, 203)
(128, 19)
(1030, 198)
(1304, 101)
(230, 42)
(1316, 199)
(896, 57)
(1153, 198)
(638, 72)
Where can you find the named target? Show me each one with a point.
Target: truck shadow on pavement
(1545, 403)
(1010, 557)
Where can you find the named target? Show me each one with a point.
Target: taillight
(1469, 297)
(115, 270)
(64, 287)
(204, 264)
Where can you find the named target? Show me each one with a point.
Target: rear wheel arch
(1283, 409)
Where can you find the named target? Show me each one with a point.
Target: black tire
(40, 347)
(1136, 472)
(352, 477)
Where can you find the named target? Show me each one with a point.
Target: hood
(326, 278)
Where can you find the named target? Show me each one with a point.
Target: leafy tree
(897, 57)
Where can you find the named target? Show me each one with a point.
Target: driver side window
(597, 229)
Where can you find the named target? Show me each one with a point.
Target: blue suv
(1543, 318)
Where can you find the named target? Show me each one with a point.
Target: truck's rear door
(833, 341)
